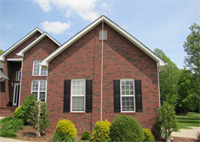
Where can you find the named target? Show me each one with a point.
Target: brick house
(80, 83)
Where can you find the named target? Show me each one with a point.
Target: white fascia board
(14, 59)
(114, 26)
(2, 57)
(70, 42)
(21, 53)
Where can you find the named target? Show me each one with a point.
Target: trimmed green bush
(24, 112)
(6, 119)
(65, 128)
(85, 135)
(148, 136)
(126, 128)
(101, 131)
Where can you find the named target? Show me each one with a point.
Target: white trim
(40, 67)
(159, 61)
(127, 95)
(20, 82)
(14, 91)
(2, 57)
(14, 59)
(38, 91)
(21, 53)
(78, 95)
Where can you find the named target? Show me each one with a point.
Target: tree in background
(1, 51)
(192, 60)
(168, 77)
(188, 99)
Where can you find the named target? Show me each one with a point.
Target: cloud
(55, 27)
(107, 6)
(8, 26)
(84, 8)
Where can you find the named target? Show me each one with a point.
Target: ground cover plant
(192, 119)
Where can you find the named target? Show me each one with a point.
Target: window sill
(128, 112)
(78, 112)
(39, 75)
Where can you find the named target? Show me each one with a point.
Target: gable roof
(21, 53)
(2, 57)
(160, 62)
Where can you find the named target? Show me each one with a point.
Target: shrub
(167, 119)
(16, 110)
(85, 135)
(39, 117)
(65, 128)
(13, 125)
(198, 135)
(126, 128)
(6, 119)
(7, 134)
(101, 131)
(148, 136)
(23, 112)
(59, 138)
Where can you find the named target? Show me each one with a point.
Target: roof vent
(102, 35)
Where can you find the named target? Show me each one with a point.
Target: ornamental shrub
(61, 138)
(65, 128)
(85, 135)
(13, 125)
(24, 111)
(126, 128)
(6, 119)
(148, 136)
(101, 131)
(16, 110)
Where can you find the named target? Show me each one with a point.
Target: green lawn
(192, 119)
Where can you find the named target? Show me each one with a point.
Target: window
(39, 88)
(104, 36)
(78, 95)
(127, 95)
(18, 75)
(38, 69)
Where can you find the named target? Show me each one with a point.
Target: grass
(192, 119)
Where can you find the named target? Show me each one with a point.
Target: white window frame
(72, 95)
(127, 95)
(38, 90)
(40, 68)
(18, 75)
(105, 35)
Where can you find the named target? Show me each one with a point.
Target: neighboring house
(70, 78)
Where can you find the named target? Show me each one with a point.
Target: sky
(162, 24)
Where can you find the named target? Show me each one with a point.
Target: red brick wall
(82, 60)
(37, 52)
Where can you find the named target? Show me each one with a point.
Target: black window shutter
(88, 95)
(116, 95)
(66, 103)
(138, 95)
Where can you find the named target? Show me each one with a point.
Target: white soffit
(2, 57)
(103, 18)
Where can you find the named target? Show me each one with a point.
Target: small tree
(39, 117)
(167, 120)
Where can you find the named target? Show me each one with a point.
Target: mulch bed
(28, 134)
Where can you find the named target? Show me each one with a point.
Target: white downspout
(101, 72)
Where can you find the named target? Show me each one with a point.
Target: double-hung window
(127, 95)
(78, 95)
(38, 69)
(39, 89)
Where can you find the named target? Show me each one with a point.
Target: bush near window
(148, 136)
(85, 135)
(101, 131)
(65, 129)
(126, 128)
(24, 111)
(16, 110)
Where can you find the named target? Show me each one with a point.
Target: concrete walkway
(10, 140)
(187, 133)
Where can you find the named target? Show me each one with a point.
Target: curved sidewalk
(186, 133)
(2, 139)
